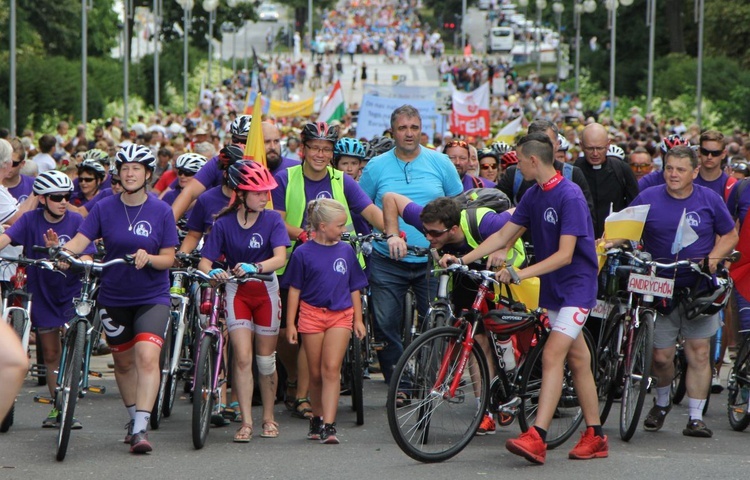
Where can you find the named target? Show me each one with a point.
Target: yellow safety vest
(516, 255)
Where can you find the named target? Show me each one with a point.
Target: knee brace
(266, 364)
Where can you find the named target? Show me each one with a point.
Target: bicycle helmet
(616, 152)
(488, 152)
(349, 147)
(711, 300)
(369, 152)
(241, 126)
(669, 142)
(381, 145)
(250, 176)
(136, 154)
(501, 148)
(320, 131)
(52, 181)
(93, 166)
(229, 155)
(191, 162)
(562, 143)
(113, 169)
(95, 154)
(510, 158)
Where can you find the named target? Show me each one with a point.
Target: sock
(662, 395)
(695, 407)
(141, 420)
(489, 414)
(542, 433)
(597, 430)
(131, 411)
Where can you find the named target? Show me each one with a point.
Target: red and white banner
(471, 112)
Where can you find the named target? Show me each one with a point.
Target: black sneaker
(139, 443)
(655, 418)
(316, 428)
(697, 428)
(328, 434)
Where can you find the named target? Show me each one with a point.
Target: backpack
(736, 194)
(567, 172)
(475, 198)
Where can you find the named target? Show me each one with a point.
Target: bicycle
(738, 387)
(209, 367)
(446, 401)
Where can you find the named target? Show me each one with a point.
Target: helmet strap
(52, 214)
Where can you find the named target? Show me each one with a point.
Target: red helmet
(320, 131)
(231, 154)
(510, 158)
(671, 141)
(250, 176)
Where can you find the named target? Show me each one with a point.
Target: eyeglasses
(710, 153)
(325, 150)
(57, 197)
(407, 173)
(116, 181)
(488, 166)
(86, 179)
(435, 233)
(187, 173)
(596, 149)
(639, 167)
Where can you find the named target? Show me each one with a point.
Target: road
(366, 452)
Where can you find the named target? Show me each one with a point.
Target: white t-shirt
(44, 162)
(8, 208)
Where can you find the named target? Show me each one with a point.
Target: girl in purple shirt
(324, 279)
(253, 240)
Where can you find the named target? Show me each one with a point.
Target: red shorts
(318, 320)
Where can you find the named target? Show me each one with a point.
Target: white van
(500, 39)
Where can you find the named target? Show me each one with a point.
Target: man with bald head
(611, 182)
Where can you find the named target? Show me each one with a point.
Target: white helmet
(241, 126)
(615, 151)
(94, 165)
(192, 162)
(136, 154)
(562, 142)
(52, 181)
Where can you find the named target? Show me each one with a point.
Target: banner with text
(400, 91)
(471, 112)
(375, 115)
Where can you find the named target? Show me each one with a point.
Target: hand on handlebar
(496, 259)
(219, 274)
(241, 269)
(447, 260)
(397, 247)
(508, 275)
(141, 259)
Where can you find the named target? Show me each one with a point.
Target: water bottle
(177, 287)
(509, 353)
(207, 300)
(612, 281)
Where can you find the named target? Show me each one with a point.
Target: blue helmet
(349, 147)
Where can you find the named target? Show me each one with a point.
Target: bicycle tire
(407, 319)
(8, 420)
(170, 391)
(71, 380)
(190, 345)
(18, 322)
(679, 387)
(157, 411)
(637, 376)
(357, 374)
(203, 395)
(429, 427)
(607, 376)
(568, 415)
(738, 388)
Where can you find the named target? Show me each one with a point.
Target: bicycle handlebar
(39, 262)
(644, 260)
(89, 264)
(258, 277)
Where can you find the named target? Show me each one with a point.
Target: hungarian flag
(334, 107)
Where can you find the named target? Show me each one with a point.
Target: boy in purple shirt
(555, 211)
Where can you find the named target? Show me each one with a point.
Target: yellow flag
(626, 224)
(601, 252)
(255, 149)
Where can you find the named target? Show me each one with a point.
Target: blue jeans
(389, 281)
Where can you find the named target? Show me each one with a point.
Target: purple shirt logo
(693, 219)
(550, 215)
(142, 229)
(339, 266)
(256, 241)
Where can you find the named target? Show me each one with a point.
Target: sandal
(289, 398)
(243, 434)
(300, 411)
(402, 400)
(270, 430)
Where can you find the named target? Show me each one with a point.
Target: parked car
(268, 13)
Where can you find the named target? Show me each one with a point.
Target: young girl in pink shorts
(324, 279)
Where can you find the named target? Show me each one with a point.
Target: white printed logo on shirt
(256, 241)
(62, 240)
(339, 266)
(693, 219)
(323, 194)
(142, 229)
(550, 215)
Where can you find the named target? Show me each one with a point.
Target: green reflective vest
(516, 255)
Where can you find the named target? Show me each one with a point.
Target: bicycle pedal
(186, 365)
(44, 400)
(37, 370)
(95, 374)
(100, 389)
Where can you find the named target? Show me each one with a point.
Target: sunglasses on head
(740, 167)
(59, 197)
(457, 143)
(86, 179)
(710, 153)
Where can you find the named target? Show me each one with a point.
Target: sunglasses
(59, 197)
(740, 167)
(710, 153)
(488, 166)
(86, 179)
(15, 164)
(638, 167)
(187, 173)
(436, 233)
(116, 181)
(457, 143)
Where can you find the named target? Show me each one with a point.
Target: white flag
(685, 235)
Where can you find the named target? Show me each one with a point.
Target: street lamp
(699, 81)
(187, 9)
(540, 5)
(157, 36)
(587, 6)
(558, 8)
(85, 5)
(12, 102)
(210, 6)
(525, 5)
(651, 22)
(612, 7)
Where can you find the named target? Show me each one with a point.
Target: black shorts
(126, 326)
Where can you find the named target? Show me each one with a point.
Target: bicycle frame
(213, 330)
(22, 302)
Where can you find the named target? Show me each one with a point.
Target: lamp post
(540, 5)
(699, 81)
(463, 25)
(525, 5)
(84, 59)
(558, 8)
(128, 6)
(651, 22)
(587, 6)
(187, 9)
(210, 6)
(612, 7)
(157, 36)
(12, 101)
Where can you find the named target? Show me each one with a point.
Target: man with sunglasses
(640, 162)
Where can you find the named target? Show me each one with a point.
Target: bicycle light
(83, 308)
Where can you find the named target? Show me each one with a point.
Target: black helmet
(320, 131)
(229, 155)
(711, 299)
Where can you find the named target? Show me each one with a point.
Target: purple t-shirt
(104, 193)
(491, 223)
(170, 196)
(657, 178)
(210, 174)
(24, 188)
(561, 210)
(153, 228)
(326, 275)
(208, 204)
(106, 183)
(355, 196)
(470, 181)
(52, 292)
(248, 245)
(706, 213)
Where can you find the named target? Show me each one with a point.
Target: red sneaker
(529, 446)
(590, 446)
(487, 427)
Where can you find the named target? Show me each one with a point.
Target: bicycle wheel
(738, 387)
(71, 380)
(637, 376)
(170, 391)
(431, 425)
(678, 381)
(568, 414)
(203, 395)
(357, 373)
(164, 358)
(8, 420)
(407, 323)
(607, 375)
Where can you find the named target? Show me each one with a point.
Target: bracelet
(388, 237)
(460, 260)
(259, 267)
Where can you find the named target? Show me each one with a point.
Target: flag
(471, 111)
(685, 235)
(255, 149)
(626, 224)
(334, 107)
(508, 133)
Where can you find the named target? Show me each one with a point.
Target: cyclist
(252, 240)
(489, 164)
(324, 279)
(458, 152)
(563, 145)
(20, 186)
(91, 174)
(348, 154)
(709, 218)
(134, 301)
(555, 212)
(53, 293)
(187, 165)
